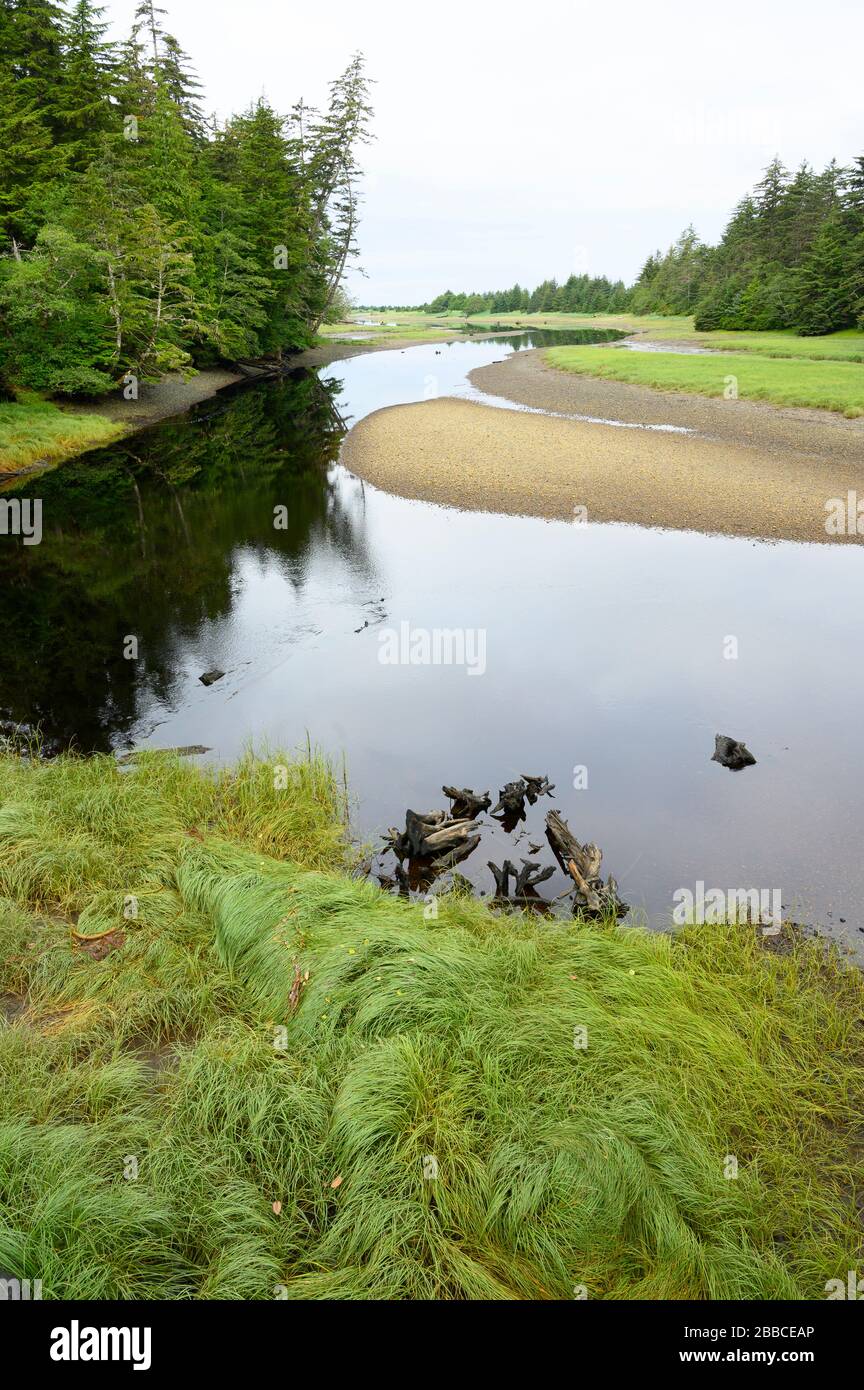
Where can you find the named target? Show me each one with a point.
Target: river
(606, 658)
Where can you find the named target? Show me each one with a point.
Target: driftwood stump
(730, 753)
(526, 880)
(537, 787)
(464, 802)
(513, 795)
(429, 835)
(511, 800)
(592, 896)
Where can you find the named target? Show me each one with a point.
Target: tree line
(580, 294)
(140, 235)
(791, 257)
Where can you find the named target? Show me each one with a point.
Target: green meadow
(824, 384)
(233, 1069)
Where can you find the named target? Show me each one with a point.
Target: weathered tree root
(428, 835)
(526, 880)
(511, 800)
(591, 895)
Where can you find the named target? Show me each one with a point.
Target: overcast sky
(520, 141)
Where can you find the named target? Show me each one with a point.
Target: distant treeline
(581, 294)
(792, 256)
(136, 234)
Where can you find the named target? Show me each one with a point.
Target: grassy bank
(785, 381)
(418, 1122)
(34, 432)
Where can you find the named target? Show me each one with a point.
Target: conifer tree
(31, 43)
(83, 107)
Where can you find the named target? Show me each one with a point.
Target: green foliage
(670, 284)
(425, 1119)
(137, 238)
(790, 256)
(57, 325)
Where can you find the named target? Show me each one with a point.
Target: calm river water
(605, 646)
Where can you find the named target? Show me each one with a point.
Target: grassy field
(789, 381)
(34, 431)
(231, 1070)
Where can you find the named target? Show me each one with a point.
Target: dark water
(604, 645)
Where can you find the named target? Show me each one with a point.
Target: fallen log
(450, 834)
(189, 750)
(258, 369)
(592, 896)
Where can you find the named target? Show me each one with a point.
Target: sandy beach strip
(482, 458)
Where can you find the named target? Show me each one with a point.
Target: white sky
(520, 141)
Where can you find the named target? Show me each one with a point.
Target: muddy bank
(477, 457)
(528, 380)
(171, 396)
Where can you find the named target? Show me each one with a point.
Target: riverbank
(36, 434)
(39, 434)
(328, 1092)
(171, 396)
(477, 457)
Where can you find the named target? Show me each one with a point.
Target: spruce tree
(31, 48)
(825, 301)
(84, 109)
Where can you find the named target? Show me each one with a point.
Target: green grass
(449, 1039)
(34, 432)
(847, 346)
(825, 385)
